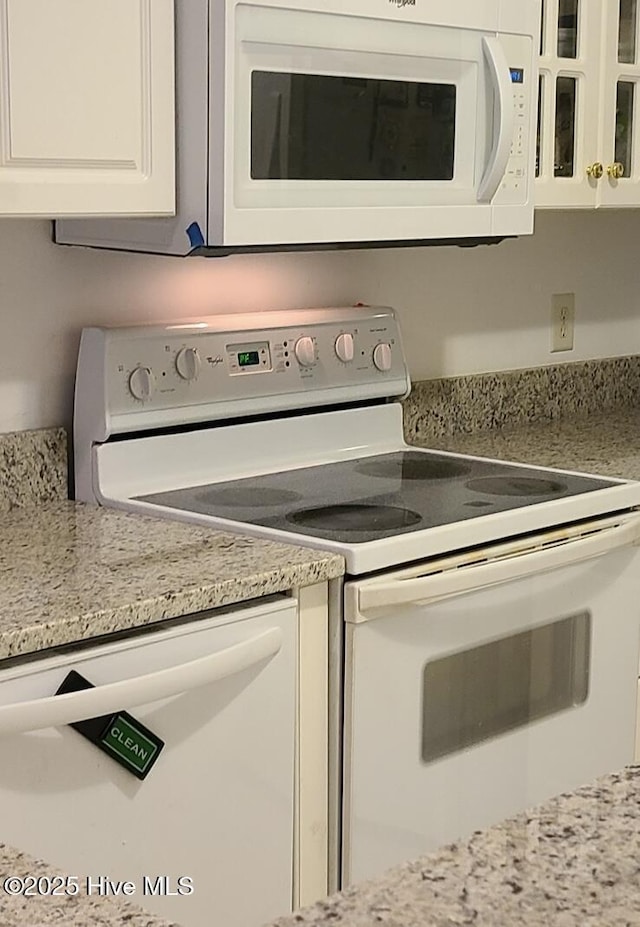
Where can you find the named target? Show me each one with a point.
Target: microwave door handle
(500, 77)
(128, 693)
(374, 596)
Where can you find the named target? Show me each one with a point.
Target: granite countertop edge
(73, 572)
(141, 612)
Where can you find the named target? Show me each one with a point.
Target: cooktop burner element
(412, 466)
(359, 518)
(517, 486)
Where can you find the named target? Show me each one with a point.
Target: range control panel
(225, 366)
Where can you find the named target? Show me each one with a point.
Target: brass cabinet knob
(616, 170)
(595, 170)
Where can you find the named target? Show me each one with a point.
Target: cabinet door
(569, 82)
(86, 107)
(621, 181)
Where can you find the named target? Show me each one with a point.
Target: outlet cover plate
(563, 315)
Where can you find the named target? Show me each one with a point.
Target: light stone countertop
(70, 572)
(80, 910)
(607, 444)
(573, 861)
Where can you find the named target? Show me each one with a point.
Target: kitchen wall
(462, 310)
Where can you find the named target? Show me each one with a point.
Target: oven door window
(320, 127)
(476, 694)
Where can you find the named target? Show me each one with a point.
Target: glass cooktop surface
(369, 498)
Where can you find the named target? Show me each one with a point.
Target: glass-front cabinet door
(588, 141)
(620, 80)
(568, 160)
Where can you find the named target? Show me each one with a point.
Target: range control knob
(188, 363)
(305, 351)
(382, 356)
(344, 347)
(142, 383)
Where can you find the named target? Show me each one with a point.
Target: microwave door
(355, 128)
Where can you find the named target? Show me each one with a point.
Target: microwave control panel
(518, 178)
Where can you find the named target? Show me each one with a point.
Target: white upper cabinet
(620, 136)
(87, 107)
(588, 151)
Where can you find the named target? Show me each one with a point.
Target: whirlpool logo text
(401, 3)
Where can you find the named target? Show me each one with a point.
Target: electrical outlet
(563, 315)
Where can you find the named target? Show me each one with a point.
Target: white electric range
(491, 634)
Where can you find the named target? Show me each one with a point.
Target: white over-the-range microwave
(341, 122)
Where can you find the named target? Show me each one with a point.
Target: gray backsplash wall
(463, 311)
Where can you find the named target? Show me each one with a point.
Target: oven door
(481, 684)
(343, 124)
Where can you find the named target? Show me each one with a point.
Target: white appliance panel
(398, 806)
(218, 803)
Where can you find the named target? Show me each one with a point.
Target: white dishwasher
(204, 710)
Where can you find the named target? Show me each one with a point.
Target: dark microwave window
(314, 127)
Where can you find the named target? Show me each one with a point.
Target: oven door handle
(57, 710)
(372, 598)
(503, 115)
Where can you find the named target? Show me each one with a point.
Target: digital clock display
(248, 358)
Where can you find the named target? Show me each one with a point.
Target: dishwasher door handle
(58, 710)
